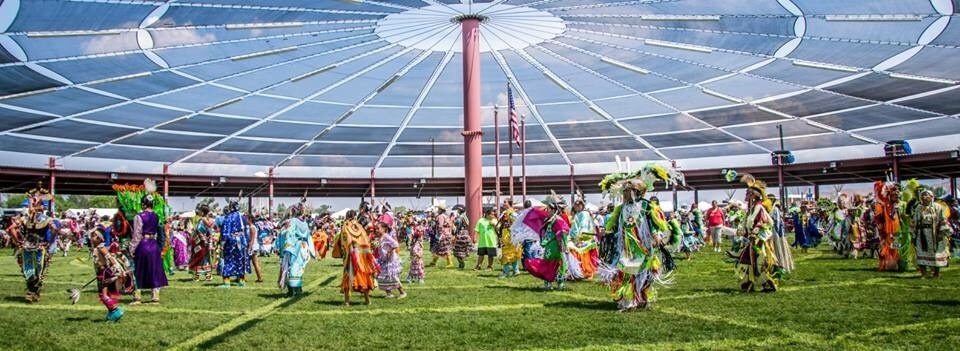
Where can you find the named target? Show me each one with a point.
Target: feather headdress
(642, 180)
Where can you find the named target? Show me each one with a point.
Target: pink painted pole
(52, 163)
(373, 188)
(472, 134)
(496, 151)
(166, 181)
(270, 193)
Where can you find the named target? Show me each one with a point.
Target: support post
(816, 192)
(573, 187)
(373, 188)
(696, 197)
(783, 189)
(472, 134)
(496, 151)
(270, 193)
(953, 186)
(896, 168)
(523, 157)
(676, 206)
(166, 181)
(52, 164)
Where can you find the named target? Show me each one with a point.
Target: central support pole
(472, 134)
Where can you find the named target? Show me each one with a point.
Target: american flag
(514, 120)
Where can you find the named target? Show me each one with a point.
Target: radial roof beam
(416, 106)
(194, 113)
(369, 96)
(597, 109)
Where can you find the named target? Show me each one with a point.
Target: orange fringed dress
(359, 266)
(320, 242)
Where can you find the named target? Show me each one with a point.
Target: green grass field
(828, 303)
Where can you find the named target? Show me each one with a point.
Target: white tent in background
(340, 214)
(592, 208)
(82, 212)
(188, 214)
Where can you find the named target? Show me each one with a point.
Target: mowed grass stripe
(129, 309)
(260, 313)
(359, 310)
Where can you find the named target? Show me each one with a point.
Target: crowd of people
(630, 246)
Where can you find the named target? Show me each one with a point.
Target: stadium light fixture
(72, 33)
(922, 78)
(680, 17)
(313, 73)
(263, 53)
(624, 65)
(263, 25)
(828, 66)
(672, 45)
(873, 18)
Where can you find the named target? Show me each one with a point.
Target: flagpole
(496, 151)
(523, 156)
(510, 135)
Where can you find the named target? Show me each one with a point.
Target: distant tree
(14, 201)
(400, 209)
(281, 210)
(321, 209)
(940, 192)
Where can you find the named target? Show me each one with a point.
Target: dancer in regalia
(416, 273)
(551, 228)
(443, 234)
(359, 265)
(180, 243)
(33, 242)
(933, 233)
(113, 277)
(296, 249)
(635, 258)
(887, 216)
(146, 243)
(463, 243)
(389, 261)
(757, 265)
(583, 238)
(805, 228)
(201, 249)
(781, 247)
(509, 252)
(235, 246)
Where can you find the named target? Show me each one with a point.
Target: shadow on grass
(18, 298)
(854, 269)
(723, 290)
(240, 329)
(941, 303)
(584, 305)
(535, 289)
(83, 319)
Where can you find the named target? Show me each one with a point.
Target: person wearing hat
(583, 238)
(634, 258)
(33, 242)
(234, 246)
(757, 265)
(296, 249)
(932, 234)
(805, 228)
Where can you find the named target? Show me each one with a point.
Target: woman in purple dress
(389, 260)
(148, 264)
